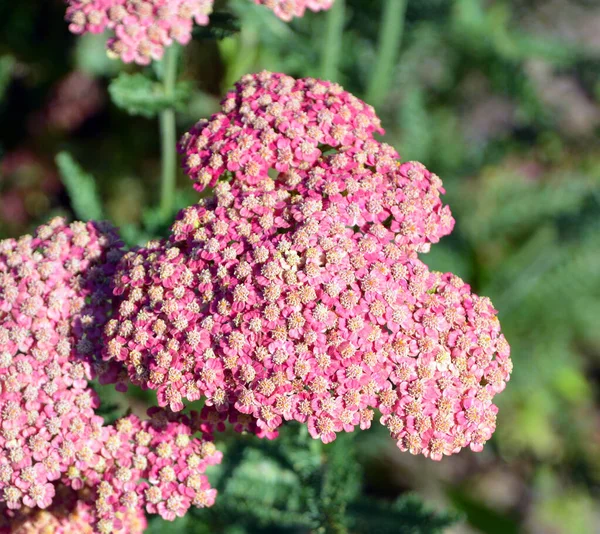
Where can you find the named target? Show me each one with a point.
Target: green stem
(332, 43)
(392, 26)
(168, 136)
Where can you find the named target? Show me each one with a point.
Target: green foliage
(91, 57)
(139, 95)
(405, 515)
(535, 246)
(490, 30)
(153, 225)
(6, 67)
(333, 41)
(482, 517)
(221, 25)
(417, 135)
(81, 187)
(519, 205)
(340, 486)
(181, 524)
(296, 485)
(391, 28)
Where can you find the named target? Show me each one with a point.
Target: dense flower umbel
(288, 9)
(72, 512)
(297, 293)
(155, 465)
(311, 305)
(274, 123)
(141, 28)
(54, 300)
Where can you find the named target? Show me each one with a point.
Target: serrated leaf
(221, 25)
(139, 95)
(81, 188)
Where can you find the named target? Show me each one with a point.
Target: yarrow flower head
(142, 28)
(54, 300)
(72, 512)
(288, 9)
(273, 123)
(55, 290)
(156, 465)
(296, 293)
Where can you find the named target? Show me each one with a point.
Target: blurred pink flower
(141, 28)
(27, 185)
(74, 99)
(288, 9)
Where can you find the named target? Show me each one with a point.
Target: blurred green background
(501, 99)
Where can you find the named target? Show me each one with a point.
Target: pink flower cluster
(55, 290)
(288, 9)
(155, 465)
(47, 333)
(296, 293)
(293, 293)
(72, 512)
(142, 28)
(75, 99)
(275, 123)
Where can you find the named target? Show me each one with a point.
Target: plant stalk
(332, 43)
(392, 27)
(168, 135)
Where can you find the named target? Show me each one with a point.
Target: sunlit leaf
(139, 95)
